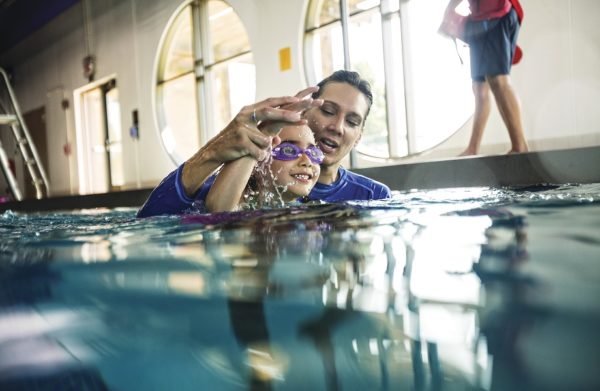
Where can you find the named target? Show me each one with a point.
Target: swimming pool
(473, 288)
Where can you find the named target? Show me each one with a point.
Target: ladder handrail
(10, 178)
(25, 130)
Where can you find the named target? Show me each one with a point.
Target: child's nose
(304, 159)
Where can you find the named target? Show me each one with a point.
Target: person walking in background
(491, 31)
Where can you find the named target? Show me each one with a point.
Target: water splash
(262, 196)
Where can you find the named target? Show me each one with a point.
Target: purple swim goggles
(289, 151)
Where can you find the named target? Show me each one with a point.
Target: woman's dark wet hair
(348, 77)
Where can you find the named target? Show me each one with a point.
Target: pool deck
(580, 165)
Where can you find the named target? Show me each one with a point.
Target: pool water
(453, 289)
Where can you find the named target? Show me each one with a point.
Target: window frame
(401, 124)
(202, 69)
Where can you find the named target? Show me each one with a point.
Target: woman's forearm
(196, 170)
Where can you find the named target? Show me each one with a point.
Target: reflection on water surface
(457, 289)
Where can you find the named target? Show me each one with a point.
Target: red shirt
(489, 9)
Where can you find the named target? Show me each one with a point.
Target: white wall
(558, 80)
(561, 80)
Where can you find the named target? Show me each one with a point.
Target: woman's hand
(242, 137)
(304, 102)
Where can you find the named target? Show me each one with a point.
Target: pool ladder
(11, 116)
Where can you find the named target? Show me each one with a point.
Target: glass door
(100, 133)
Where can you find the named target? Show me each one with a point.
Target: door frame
(84, 157)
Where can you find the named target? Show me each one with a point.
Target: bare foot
(468, 152)
(517, 150)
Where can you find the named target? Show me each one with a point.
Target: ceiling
(20, 18)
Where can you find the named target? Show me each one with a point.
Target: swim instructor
(336, 112)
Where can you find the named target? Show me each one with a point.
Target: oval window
(421, 86)
(204, 51)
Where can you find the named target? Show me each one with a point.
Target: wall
(558, 79)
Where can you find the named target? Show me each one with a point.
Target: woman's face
(297, 177)
(337, 124)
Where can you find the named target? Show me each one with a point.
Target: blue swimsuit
(170, 198)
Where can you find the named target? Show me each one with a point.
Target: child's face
(297, 176)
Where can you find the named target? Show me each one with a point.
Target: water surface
(454, 289)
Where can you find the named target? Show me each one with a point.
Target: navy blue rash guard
(169, 196)
(350, 186)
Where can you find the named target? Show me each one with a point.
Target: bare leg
(481, 91)
(510, 110)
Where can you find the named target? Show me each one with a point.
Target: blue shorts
(492, 44)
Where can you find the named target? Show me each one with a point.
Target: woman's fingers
(303, 105)
(290, 113)
(257, 112)
(258, 139)
(251, 132)
(282, 108)
(306, 92)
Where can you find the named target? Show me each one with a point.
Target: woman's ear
(358, 138)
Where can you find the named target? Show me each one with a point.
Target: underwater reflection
(467, 295)
(388, 299)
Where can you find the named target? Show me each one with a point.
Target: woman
(335, 110)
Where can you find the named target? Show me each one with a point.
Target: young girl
(290, 174)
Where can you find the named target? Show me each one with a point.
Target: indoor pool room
(299, 195)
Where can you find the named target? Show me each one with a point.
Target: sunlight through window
(420, 80)
(188, 71)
